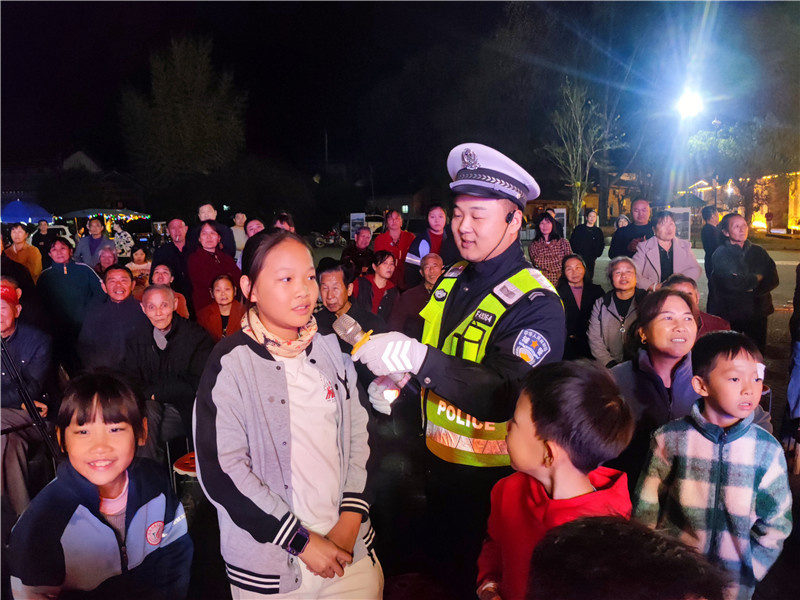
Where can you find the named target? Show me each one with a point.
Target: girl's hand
(323, 557)
(345, 532)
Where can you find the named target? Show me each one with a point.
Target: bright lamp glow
(690, 104)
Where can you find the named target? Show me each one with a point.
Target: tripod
(30, 406)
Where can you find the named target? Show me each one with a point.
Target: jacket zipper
(718, 485)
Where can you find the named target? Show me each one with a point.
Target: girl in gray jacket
(281, 441)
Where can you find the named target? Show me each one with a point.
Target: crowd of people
(549, 406)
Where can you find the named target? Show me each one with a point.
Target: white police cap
(478, 170)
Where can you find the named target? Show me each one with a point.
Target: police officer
(490, 319)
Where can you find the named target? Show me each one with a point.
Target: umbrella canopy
(106, 212)
(24, 212)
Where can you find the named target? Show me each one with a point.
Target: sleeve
(87, 340)
(531, 333)
(770, 273)
(692, 268)
(618, 244)
(399, 315)
(490, 561)
(599, 243)
(36, 262)
(595, 335)
(381, 242)
(81, 250)
(356, 496)
(651, 486)
(96, 293)
(639, 261)
(183, 384)
(35, 371)
(222, 449)
(773, 508)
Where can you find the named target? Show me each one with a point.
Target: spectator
(743, 276)
(658, 381)
(569, 419)
(107, 258)
(67, 290)
(358, 253)
(713, 477)
(588, 241)
(662, 255)
(285, 221)
(579, 296)
(206, 263)
(622, 221)
(239, 234)
(253, 226)
(140, 267)
(375, 291)
(614, 313)
(42, 240)
(162, 275)
(175, 254)
(167, 359)
(223, 316)
(626, 239)
(405, 314)
(559, 228)
(33, 312)
(109, 525)
(436, 239)
(122, 240)
(610, 558)
(548, 248)
(31, 352)
(710, 235)
(687, 285)
(88, 250)
(109, 325)
(793, 391)
(397, 242)
(22, 252)
(207, 212)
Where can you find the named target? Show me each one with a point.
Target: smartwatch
(298, 542)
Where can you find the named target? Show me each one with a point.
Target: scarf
(253, 327)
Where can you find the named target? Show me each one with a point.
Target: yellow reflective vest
(451, 434)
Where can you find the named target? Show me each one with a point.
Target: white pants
(361, 581)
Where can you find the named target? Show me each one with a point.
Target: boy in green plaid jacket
(714, 479)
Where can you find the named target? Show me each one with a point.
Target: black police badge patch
(531, 346)
(440, 294)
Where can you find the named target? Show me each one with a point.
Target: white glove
(392, 352)
(382, 392)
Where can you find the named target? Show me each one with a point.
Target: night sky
(307, 67)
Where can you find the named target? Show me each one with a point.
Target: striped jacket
(243, 446)
(722, 491)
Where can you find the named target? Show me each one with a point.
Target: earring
(644, 339)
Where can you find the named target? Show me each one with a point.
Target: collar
(715, 433)
(643, 364)
(511, 258)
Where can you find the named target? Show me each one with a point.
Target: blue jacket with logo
(62, 545)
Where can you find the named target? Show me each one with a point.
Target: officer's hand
(382, 392)
(392, 352)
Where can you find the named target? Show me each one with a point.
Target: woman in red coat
(223, 316)
(208, 261)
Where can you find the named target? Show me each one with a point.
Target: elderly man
(358, 252)
(108, 326)
(626, 239)
(397, 242)
(89, 246)
(175, 254)
(405, 316)
(31, 351)
(490, 319)
(742, 277)
(67, 290)
(167, 358)
(207, 212)
(22, 252)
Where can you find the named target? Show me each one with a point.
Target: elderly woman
(579, 295)
(657, 383)
(208, 261)
(548, 248)
(614, 313)
(664, 254)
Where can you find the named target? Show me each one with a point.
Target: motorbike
(331, 238)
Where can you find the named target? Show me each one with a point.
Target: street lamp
(690, 104)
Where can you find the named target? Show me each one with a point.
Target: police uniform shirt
(489, 390)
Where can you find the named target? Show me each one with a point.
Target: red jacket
(399, 251)
(522, 513)
(211, 320)
(203, 267)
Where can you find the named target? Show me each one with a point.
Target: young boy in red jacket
(569, 418)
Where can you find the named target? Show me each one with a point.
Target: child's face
(732, 390)
(526, 449)
(101, 452)
(285, 292)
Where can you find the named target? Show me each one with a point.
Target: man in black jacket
(626, 239)
(167, 360)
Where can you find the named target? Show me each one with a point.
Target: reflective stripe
(451, 434)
